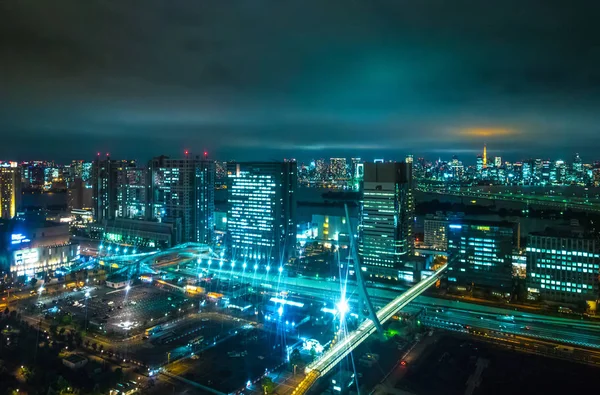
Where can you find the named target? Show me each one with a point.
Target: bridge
(340, 350)
(559, 202)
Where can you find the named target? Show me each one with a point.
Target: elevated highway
(557, 202)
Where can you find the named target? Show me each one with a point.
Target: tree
(118, 374)
(53, 329)
(267, 385)
(66, 319)
(33, 281)
(295, 357)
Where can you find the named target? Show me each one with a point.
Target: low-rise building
(480, 255)
(140, 233)
(118, 282)
(74, 361)
(28, 247)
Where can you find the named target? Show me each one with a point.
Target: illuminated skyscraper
(498, 161)
(479, 164)
(105, 185)
(261, 215)
(10, 189)
(387, 215)
(577, 169)
(182, 192)
(132, 193)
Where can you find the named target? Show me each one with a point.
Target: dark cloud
(302, 78)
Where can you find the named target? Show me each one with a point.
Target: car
(403, 363)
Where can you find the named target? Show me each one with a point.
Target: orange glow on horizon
(487, 132)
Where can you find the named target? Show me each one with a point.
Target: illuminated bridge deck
(339, 351)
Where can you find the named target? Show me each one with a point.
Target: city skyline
(467, 157)
(383, 77)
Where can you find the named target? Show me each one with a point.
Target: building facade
(562, 268)
(480, 255)
(261, 215)
(182, 192)
(10, 190)
(387, 215)
(106, 175)
(31, 247)
(435, 234)
(132, 192)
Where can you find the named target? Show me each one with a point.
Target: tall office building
(132, 192)
(261, 214)
(562, 267)
(479, 165)
(577, 169)
(498, 161)
(480, 254)
(182, 192)
(387, 215)
(10, 190)
(105, 186)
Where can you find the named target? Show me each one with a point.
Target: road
(570, 331)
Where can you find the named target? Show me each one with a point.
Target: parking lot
(229, 365)
(120, 312)
(203, 330)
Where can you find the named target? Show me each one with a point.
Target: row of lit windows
(563, 252)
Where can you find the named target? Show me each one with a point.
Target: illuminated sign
(455, 226)
(18, 238)
(26, 257)
(483, 228)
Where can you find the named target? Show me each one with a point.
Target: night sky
(254, 79)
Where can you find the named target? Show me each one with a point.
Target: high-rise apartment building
(387, 215)
(562, 267)
(480, 254)
(132, 192)
(182, 192)
(261, 214)
(105, 185)
(10, 190)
